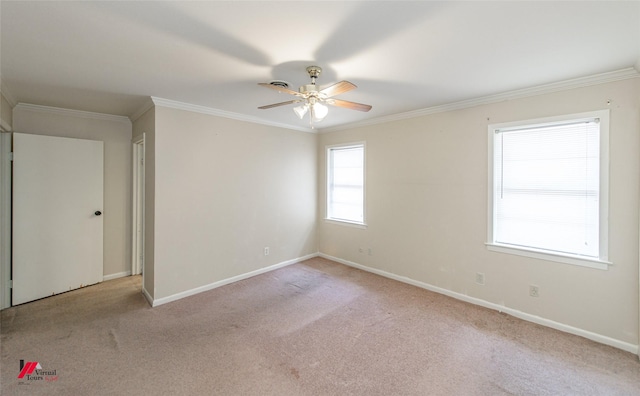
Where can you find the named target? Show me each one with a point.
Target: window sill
(346, 223)
(549, 256)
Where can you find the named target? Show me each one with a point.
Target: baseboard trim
(500, 308)
(146, 295)
(116, 276)
(214, 285)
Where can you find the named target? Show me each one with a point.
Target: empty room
(319, 197)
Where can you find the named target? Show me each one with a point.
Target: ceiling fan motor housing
(310, 89)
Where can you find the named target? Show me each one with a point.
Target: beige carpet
(313, 328)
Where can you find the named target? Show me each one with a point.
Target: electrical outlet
(370, 252)
(480, 278)
(534, 291)
(266, 251)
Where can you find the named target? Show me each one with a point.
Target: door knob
(97, 213)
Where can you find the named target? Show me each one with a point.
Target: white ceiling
(110, 57)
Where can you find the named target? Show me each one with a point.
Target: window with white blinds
(345, 183)
(549, 186)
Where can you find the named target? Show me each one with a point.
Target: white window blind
(547, 187)
(345, 189)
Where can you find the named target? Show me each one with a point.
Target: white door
(57, 215)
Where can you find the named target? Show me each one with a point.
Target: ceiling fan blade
(280, 104)
(338, 88)
(280, 89)
(349, 105)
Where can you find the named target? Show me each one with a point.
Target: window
(549, 188)
(345, 183)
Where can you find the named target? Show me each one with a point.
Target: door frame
(137, 206)
(6, 138)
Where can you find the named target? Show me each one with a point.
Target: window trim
(346, 222)
(602, 262)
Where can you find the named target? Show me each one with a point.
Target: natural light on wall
(547, 188)
(345, 183)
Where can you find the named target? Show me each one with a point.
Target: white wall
(115, 132)
(224, 190)
(426, 198)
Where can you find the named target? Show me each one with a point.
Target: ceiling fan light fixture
(301, 110)
(319, 111)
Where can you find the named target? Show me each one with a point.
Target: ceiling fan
(312, 99)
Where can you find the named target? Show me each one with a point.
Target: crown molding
(581, 82)
(221, 113)
(148, 104)
(72, 113)
(624, 74)
(4, 126)
(7, 94)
